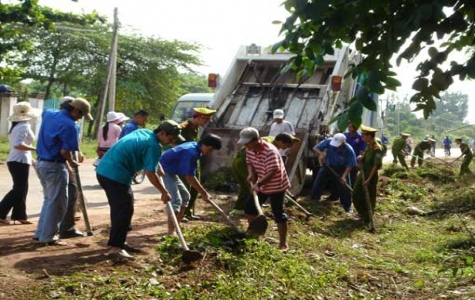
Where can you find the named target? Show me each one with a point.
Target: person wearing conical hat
(398, 149)
(19, 159)
(467, 152)
(418, 152)
(190, 131)
(370, 162)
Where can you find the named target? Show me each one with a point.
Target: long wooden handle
(256, 202)
(177, 227)
(224, 215)
(288, 197)
(81, 198)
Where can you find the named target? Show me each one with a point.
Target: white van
(183, 109)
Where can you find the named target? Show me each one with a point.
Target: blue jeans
(178, 191)
(325, 178)
(54, 180)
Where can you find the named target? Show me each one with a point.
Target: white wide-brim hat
(22, 111)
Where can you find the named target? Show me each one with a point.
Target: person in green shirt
(465, 150)
(419, 152)
(398, 149)
(370, 162)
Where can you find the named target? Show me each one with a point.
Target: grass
(425, 256)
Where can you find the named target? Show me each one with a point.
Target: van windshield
(184, 110)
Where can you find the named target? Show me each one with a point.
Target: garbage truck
(254, 86)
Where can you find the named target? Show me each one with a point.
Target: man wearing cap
(467, 152)
(67, 228)
(419, 152)
(268, 178)
(182, 160)
(139, 120)
(370, 162)
(138, 150)
(280, 125)
(58, 137)
(398, 149)
(355, 140)
(340, 159)
(190, 131)
(281, 141)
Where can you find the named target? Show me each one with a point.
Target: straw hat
(22, 111)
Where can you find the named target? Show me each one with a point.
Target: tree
(16, 18)
(453, 103)
(379, 30)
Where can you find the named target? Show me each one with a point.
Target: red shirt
(265, 161)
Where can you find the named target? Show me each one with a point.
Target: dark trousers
(276, 204)
(326, 178)
(16, 198)
(121, 202)
(68, 223)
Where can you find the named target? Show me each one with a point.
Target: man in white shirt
(280, 125)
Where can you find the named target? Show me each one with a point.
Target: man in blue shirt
(182, 160)
(355, 140)
(57, 138)
(140, 119)
(341, 158)
(447, 145)
(139, 150)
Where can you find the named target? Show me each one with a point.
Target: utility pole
(108, 81)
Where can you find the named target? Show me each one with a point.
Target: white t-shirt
(21, 134)
(278, 128)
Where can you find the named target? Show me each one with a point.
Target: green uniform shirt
(372, 156)
(465, 149)
(188, 132)
(424, 145)
(398, 144)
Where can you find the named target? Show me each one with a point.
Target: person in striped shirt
(268, 179)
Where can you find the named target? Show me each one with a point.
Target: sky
(221, 26)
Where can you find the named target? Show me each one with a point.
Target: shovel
(226, 218)
(258, 226)
(188, 255)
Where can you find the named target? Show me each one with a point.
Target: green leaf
(420, 84)
(355, 111)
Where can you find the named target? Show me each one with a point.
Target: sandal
(4, 222)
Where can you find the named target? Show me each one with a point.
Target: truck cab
(183, 109)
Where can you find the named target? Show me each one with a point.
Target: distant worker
(139, 120)
(355, 140)
(190, 131)
(447, 145)
(399, 149)
(370, 162)
(465, 150)
(432, 150)
(280, 125)
(110, 132)
(419, 151)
